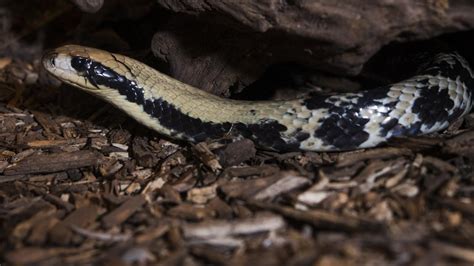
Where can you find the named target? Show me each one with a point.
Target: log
(221, 44)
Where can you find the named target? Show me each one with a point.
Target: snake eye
(80, 64)
(49, 59)
(52, 61)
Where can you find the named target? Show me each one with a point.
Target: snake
(433, 98)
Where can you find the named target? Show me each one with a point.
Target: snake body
(427, 102)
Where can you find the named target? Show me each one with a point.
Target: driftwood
(222, 44)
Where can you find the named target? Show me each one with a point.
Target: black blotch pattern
(344, 127)
(175, 120)
(316, 101)
(266, 133)
(80, 64)
(440, 102)
(302, 136)
(342, 130)
(433, 105)
(443, 68)
(389, 126)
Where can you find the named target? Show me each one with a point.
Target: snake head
(69, 64)
(76, 65)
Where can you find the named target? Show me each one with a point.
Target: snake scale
(441, 92)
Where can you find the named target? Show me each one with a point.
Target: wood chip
(34, 255)
(288, 182)
(207, 157)
(101, 236)
(62, 234)
(321, 219)
(247, 188)
(347, 159)
(202, 195)
(462, 144)
(190, 212)
(5, 61)
(237, 152)
(123, 212)
(220, 229)
(47, 123)
(264, 170)
(152, 234)
(465, 254)
(48, 163)
(45, 144)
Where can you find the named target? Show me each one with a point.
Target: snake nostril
(52, 61)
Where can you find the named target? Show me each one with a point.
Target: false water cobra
(441, 92)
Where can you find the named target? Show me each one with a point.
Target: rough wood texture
(229, 43)
(44, 163)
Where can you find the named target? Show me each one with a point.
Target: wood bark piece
(49, 125)
(119, 215)
(321, 219)
(34, 255)
(49, 163)
(289, 181)
(352, 157)
(82, 217)
(462, 144)
(237, 152)
(44, 144)
(466, 254)
(264, 170)
(223, 228)
(190, 212)
(248, 188)
(207, 157)
(232, 42)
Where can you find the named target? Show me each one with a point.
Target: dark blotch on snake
(266, 133)
(344, 128)
(80, 64)
(432, 106)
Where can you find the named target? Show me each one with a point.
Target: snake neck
(179, 110)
